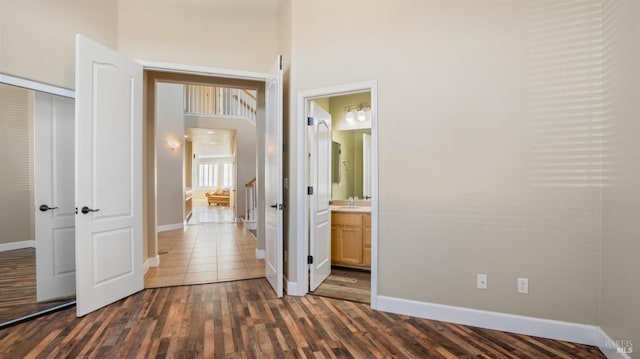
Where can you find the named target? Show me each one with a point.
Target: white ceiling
(211, 142)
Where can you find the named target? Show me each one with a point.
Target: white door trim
(208, 72)
(302, 198)
(37, 86)
(202, 70)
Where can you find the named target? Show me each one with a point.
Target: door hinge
(309, 121)
(309, 190)
(309, 259)
(280, 62)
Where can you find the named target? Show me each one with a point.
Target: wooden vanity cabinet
(351, 239)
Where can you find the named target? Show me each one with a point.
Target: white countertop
(355, 209)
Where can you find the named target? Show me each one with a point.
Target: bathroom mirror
(36, 133)
(354, 173)
(335, 162)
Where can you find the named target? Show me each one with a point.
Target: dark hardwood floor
(347, 284)
(18, 285)
(244, 319)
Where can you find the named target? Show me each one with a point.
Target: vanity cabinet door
(350, 246)
(348, 239)
(366, 234)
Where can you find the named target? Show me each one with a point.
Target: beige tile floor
(205, 253)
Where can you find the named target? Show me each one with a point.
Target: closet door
(108, 167)
(54, 196)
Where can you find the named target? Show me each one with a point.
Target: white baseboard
(291, 287)
(613, 349)
(259, 253)
(17, 245)
(169, 227)
(552, 329)
(151, 262)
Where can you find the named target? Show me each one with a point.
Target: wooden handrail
(250, 183)
(249, 93)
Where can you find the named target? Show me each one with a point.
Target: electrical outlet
(523, 285)
(482, 281)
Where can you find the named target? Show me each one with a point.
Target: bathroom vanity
(351, 236)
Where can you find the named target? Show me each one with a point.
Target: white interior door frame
(302, 198)
(213, 72)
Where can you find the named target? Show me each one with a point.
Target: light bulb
(362, 116)
(349, 117)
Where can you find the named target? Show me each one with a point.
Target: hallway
(203, 213)
(205, 253)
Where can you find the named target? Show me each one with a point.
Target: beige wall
(227, 34)
(170, 166)
(37, 37)
(16, 160)
(620, 316)
(458, 148)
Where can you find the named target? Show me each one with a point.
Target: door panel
(320, 214)
(273, 180)
(54, 187)
(108, 176)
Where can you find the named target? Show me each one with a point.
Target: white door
(108, 176)
(366, 165)
(53, 193)
(273, 179)
(320, 211)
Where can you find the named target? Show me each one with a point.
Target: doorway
(206, 142)
(341, 209)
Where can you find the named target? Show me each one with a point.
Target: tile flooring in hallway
(205, 253)
(204, 213)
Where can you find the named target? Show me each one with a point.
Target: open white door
(53, 118)
(273, 179)
(320, 211)
(108, 173)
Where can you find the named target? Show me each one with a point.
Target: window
(215, 175)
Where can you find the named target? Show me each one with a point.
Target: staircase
(220, 101)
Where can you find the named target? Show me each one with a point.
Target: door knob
(86, 210)
(45, 208)
(274, 205)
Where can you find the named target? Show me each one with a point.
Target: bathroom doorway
(341, 188)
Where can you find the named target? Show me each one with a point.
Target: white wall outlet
(523, 285)
(482, 281)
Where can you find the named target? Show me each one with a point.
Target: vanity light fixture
(357, 112)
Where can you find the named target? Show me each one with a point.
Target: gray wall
(170, 127)
(620, 313)
(472, 177)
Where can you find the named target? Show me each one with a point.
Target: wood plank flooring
(347, 284)
(205, 253)
(18, 285)
(244, 319)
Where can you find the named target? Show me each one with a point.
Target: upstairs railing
(250, 200)
(220, 101)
